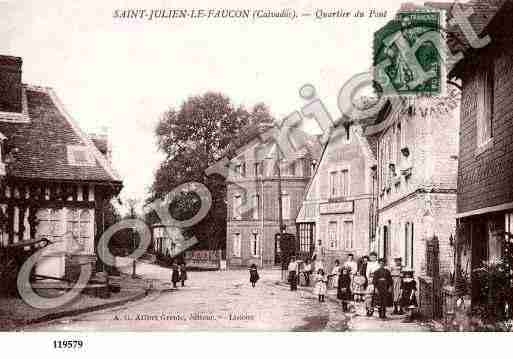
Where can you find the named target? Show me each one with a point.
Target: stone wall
(441, 222)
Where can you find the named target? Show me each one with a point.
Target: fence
(430, 291)
(204, 259)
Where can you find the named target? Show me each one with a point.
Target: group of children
(344, 292)
(402, 287)
(373, 281)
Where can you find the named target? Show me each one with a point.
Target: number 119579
(68, 344)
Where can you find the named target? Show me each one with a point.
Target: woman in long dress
(175, 274)
(253, 275)
(293, 267)
(396, 272)
(183, 274)
(335, 272)
(409, 291)
(344, 288)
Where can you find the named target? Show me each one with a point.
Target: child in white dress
(320, 285)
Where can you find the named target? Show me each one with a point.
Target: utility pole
(132, 203)
(280, 213)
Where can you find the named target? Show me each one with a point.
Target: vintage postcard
(287, 166)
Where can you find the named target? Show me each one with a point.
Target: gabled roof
(367, 145)
(245, 135)
(252, 132)
(483, 13)
(40, 144)
(367, 152)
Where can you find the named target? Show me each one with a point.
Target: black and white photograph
(272, 166)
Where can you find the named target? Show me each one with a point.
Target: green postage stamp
(408, 54)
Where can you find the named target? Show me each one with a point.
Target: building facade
(252, 195)
(416, 142)
(485, 171)
(334, 215)
(55, 182)
(165, 240)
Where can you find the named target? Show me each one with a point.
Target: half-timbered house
(54, 181)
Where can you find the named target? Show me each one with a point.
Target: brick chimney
(102, 143)
(10, 84)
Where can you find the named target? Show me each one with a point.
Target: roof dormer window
(80, 156)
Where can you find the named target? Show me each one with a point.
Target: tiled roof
(39, 146)
(483, 13)
(310, 147)
(245, 135)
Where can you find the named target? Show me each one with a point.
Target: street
(214, 301)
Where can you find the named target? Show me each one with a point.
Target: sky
(123, 74)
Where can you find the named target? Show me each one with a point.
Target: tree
(194, 137)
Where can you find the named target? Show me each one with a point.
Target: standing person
(317, 264)
(175, 274)
(360, 280)
(320, 285)
(396, 271)
(369, 297)
(353, 267)
(335, 272)
(382, 281)
(363, 270)
(344, 288)
(307, 271)
(362, 265)
(351, 264)
(409, 291)
(372, 265)
(293, 274)
(253, 275)
(183, 274)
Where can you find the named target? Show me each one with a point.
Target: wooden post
(433, 271)
(21, 221)
(98, 218)
(10, 224)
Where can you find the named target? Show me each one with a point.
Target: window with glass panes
(285, 200)
(236, 247)
(306, 237)
(509, 222)
(256, 206)
(78, 223)
(344, 182)
(333, 184)
(408, 244)
(237, 204)
(50, 224)
(348, 235)
(485, 103)
(332, 235)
